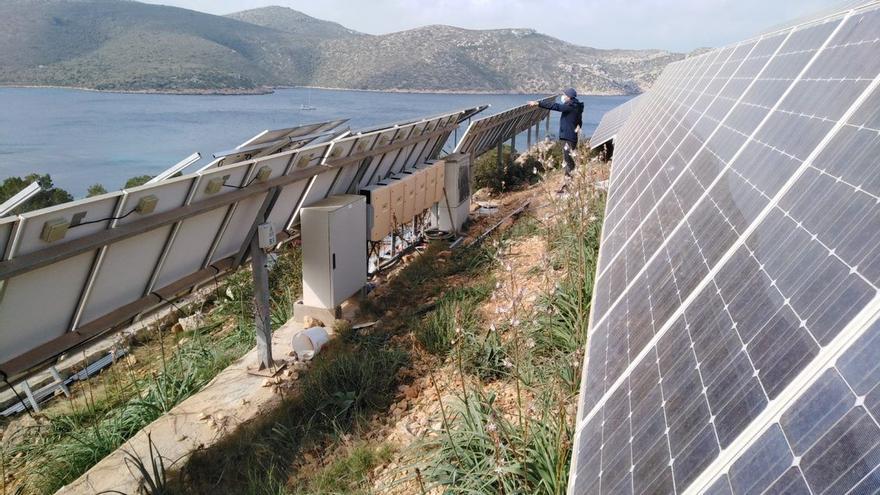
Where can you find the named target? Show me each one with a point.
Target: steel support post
(30, 396)
(512, 147)
(59, 381)
(262, 309)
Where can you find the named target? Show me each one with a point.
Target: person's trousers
(568, 161)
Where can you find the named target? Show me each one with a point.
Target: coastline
(182, 92)
(270, 90)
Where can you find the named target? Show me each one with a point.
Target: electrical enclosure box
(54, 230)
(266, 236)
(420, 182)
(334, 251)
(379, 211)
(409, 197)
(440, 168)
(431, 190)
(457, 180)
(396, 195)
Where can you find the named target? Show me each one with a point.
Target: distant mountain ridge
(125, 45)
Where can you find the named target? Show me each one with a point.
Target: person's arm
(556, 107)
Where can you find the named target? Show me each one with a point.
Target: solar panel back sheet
(734, 339)
(484, 134)
(73, 272)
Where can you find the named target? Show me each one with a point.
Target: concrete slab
(233, 397)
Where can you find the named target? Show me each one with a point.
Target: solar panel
(73, 272)
(613, 121)
(270, 142)
(734, 334)
(484, 134)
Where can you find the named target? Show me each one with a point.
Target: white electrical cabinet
(378, 211)
(452, 210)
(334, 233)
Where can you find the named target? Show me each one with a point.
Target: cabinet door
(348, 252)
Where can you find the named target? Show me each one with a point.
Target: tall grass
(121, 401)
(482, 448)
(345, 386)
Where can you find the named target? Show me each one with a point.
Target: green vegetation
(49, 196)
(349, 381)
(113, 45)
(483, 448)
(348, 473)
(515, 172)
(122, 400)
(96, 190)
(137, 180)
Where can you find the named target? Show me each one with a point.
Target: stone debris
(309, 322)
(192, 322)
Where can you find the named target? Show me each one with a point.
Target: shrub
(515, 172)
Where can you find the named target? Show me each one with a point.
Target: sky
(677, 25)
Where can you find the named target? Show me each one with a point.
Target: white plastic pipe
(309, 342)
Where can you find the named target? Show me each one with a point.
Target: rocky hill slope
(130, 46)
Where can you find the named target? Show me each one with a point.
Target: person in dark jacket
(570, 122)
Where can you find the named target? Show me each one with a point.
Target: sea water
(86, 137)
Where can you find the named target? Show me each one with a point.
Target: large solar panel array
(274, 141)
(734, 339)
(117, 261)
(484, 134)
(612, 122)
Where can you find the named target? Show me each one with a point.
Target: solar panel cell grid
(739, 256)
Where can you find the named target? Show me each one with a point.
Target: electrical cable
(103, 219)
(17, 395)
(164, 299)
(253, 179)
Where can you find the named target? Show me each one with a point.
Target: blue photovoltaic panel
(734, 336)
(613, 121)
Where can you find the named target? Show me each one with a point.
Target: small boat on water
(308, 104)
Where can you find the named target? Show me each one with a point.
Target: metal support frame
(30, 396)
(500, 160)
(59, 381)
(20, 197)
(512, 147)
(154, 297)
(262, 308)
(529, 138)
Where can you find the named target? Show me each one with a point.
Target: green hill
(131, 46)
(294, 22)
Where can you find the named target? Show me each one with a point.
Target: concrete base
(235, 396)
(451, 220)
(327, 315)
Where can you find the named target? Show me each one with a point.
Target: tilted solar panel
(734, 338)
(484, 134)
(613, 121)
(70, 273)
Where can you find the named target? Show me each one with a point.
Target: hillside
(131, 46)
(122, 45)
(515, 60)
(294, 22)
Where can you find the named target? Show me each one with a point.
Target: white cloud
(680, 25)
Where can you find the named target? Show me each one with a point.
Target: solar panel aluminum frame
(298, 166)
(613, 121)
(485, 134)
(856, 327)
